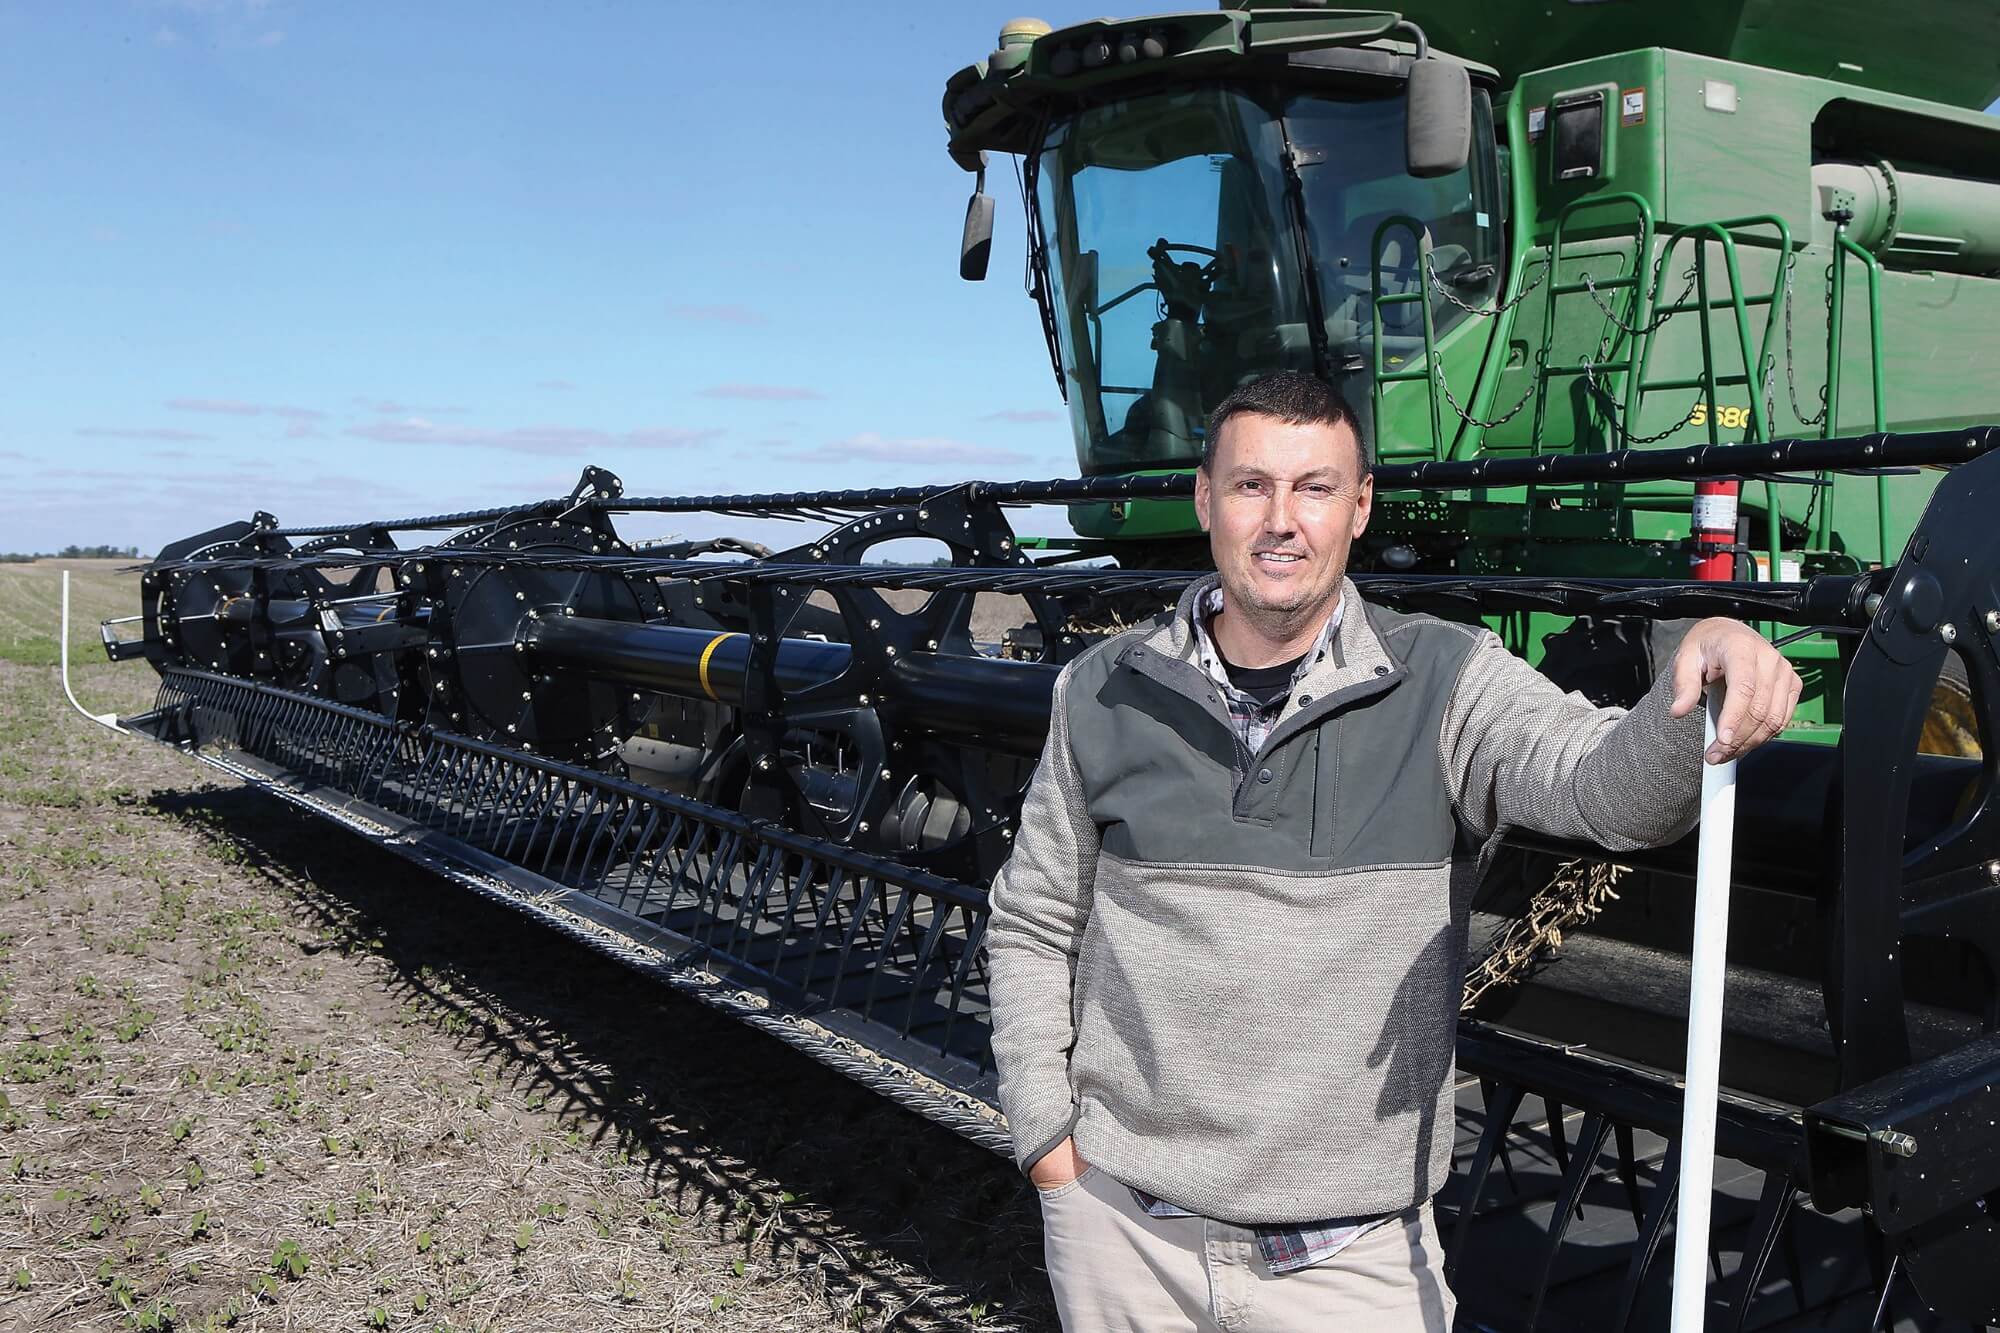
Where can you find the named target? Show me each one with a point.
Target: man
(1228, 948)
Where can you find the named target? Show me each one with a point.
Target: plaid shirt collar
(1253, 720)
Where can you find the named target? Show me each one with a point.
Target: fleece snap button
(1381, 671)
(1264, 775)
(1305, 699)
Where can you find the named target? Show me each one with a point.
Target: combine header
(1689, 323)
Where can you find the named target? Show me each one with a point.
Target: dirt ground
(255, 1074)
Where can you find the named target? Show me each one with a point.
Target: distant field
(31, 598)
(255, 1074)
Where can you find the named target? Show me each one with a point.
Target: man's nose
(1278, 511)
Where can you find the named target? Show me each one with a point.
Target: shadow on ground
(901, 1221)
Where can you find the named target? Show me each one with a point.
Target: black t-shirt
(1266, 685)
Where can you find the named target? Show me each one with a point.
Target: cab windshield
(1177, 262)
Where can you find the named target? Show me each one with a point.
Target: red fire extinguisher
(1714, 530)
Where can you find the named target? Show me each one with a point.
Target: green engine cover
(1940, 50)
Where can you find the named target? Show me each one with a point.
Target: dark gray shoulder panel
(1361, 787)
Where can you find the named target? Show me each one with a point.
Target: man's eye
(1250, 487)
(1315, 491)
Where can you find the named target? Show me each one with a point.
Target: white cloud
(542, 439)
(394, 407)
(140, 433)
(765, 393)
(923, 450)
(232, 407)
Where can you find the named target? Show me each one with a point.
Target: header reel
(477, 675)
(326, 630)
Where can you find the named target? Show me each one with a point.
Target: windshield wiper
(1295, 197)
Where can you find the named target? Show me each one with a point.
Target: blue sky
(354, 261)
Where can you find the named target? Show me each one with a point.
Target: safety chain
(1603, 395)
(1534, 381)
(1437, 365)
(1770, 364)
(1791, 370)
(1652, 326)
(1666, 313)
(1438, 285)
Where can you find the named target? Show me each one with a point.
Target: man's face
(1281, 505)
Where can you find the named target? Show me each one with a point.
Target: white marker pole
(1704, 1048)
(102, 719)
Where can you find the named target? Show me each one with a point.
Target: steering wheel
(1184, 286)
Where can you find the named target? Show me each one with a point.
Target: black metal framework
(767, 887)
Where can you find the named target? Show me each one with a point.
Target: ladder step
(1605, 285)
(1720, 382)
(1600, 367)
(1720, 303)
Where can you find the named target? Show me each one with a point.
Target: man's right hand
(1058, 1166)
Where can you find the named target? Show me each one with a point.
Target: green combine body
(1676, 224)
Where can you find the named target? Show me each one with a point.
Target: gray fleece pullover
(1241, 995)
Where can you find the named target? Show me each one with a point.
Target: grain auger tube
(781, 784)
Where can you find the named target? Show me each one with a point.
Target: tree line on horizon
(72, 553)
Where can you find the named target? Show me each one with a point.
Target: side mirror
(975, 247)
(975, 244)
(1438, 135)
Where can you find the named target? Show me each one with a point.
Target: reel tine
(1647, 1247)
(1882, 1305)
(1502, 1101)
(1774, 1206)
(1628, 1172)
(1552, 1116)
(1589, 1143)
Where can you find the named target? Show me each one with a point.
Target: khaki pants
(1116, 1269)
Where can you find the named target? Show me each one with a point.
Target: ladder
(1758, 367)
(1430, 370)
(1425, 369)
(1628, 366)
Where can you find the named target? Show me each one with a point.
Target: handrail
(1643, 210)
(1421, 295)
(1843, 246)
(1723, 232)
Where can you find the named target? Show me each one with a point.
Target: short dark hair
(1293, 397)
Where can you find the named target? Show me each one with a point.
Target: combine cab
(1652, 316)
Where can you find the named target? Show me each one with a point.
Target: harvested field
(255, 1074)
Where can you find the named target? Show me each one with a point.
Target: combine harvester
(1655, 313)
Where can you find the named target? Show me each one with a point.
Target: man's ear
(1364, 504)
(1202, 497)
